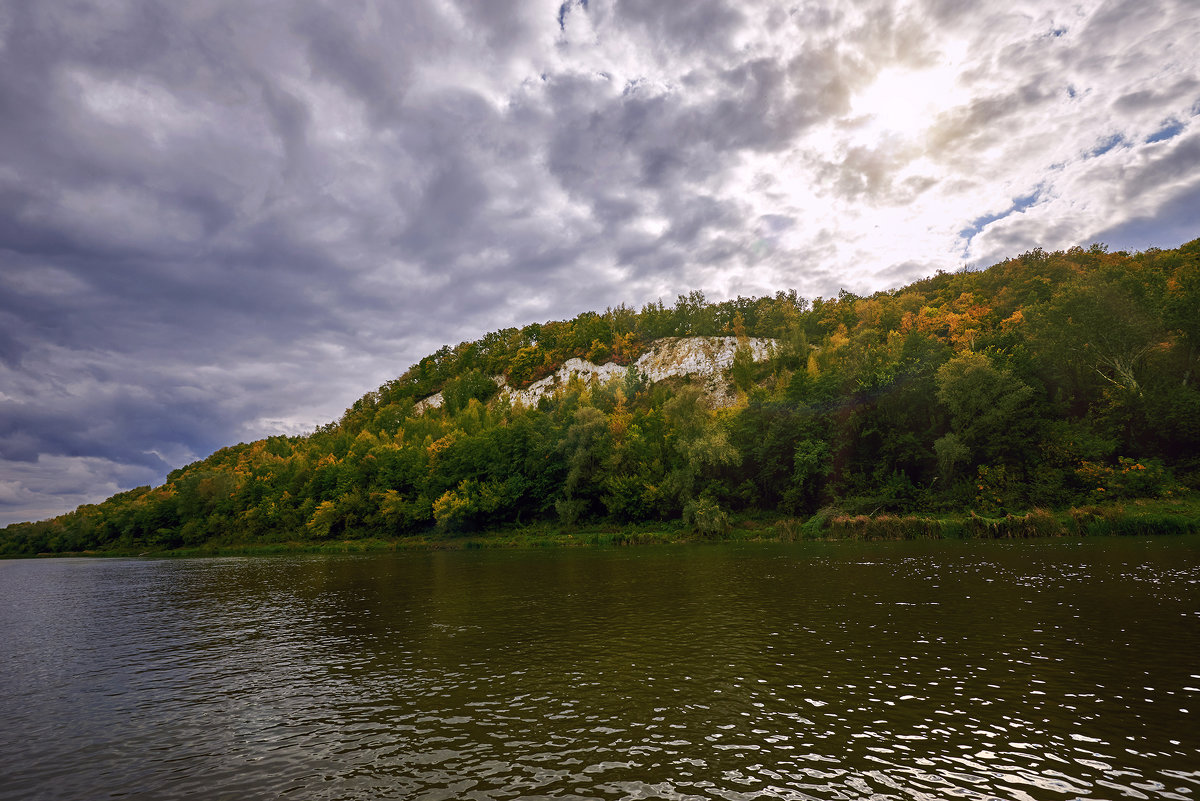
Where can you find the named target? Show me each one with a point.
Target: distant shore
(1136, 518)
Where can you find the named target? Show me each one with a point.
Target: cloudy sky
(223, 220)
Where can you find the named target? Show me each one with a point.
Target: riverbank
(1136, 518)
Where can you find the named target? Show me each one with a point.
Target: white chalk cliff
(671, 357)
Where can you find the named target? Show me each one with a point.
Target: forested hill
(1048, 380)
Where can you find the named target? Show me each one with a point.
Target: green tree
(1099, 324)
(990, 409)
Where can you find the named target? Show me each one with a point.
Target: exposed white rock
(434, 401)
(581, 368)
(703, 357)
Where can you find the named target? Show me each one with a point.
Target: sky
(223, 220)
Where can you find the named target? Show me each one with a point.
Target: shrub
(452, 509)
(706, 517)
(1129, 478)
(820, 521)
(570, 510)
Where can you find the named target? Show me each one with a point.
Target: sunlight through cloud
(903, 102)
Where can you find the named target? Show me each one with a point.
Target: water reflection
(898, 670)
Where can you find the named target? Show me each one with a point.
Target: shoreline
(1136, 518)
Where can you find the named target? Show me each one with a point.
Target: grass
(1143, 517)
(1136, 518)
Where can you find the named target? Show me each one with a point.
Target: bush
(1129, 478)
(625, 498)
(453, 509)
(570, 510)
(817, 523)
(706, 517)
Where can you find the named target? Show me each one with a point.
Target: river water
(977, 670)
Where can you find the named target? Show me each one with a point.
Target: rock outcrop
(702, 357)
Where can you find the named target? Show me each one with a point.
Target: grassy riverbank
(1138, 518)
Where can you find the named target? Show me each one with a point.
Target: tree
(324, 519)
(989, 409)
(1100, 325)
(524, 365)
(1182, 303)
(742, 370)
(701, 443)
(459, 391)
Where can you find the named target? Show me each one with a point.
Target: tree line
(1045, 381)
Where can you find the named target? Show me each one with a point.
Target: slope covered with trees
(1046, 381)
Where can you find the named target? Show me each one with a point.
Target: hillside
(708, 358)
(1046, 381)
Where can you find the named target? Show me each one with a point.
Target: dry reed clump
(789, 529)
(831, 523)
(1108, 520)
(885, 527)
(1035, 523)
(1038, 523)
(1096, 520)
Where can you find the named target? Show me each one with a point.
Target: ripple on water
(906, 670)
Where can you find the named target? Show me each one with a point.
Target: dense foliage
(1048, 380)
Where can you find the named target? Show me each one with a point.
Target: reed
(1112, 520)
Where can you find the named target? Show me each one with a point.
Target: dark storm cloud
(145, 256)
(359, 64)
(1163, 165)
(1173, 221)
(221, 220)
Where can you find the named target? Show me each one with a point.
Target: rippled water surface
(1033, 670)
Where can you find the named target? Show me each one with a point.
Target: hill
(1046, 381)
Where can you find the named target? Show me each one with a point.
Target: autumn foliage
(1048, 381)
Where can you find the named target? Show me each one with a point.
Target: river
(909, 670)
